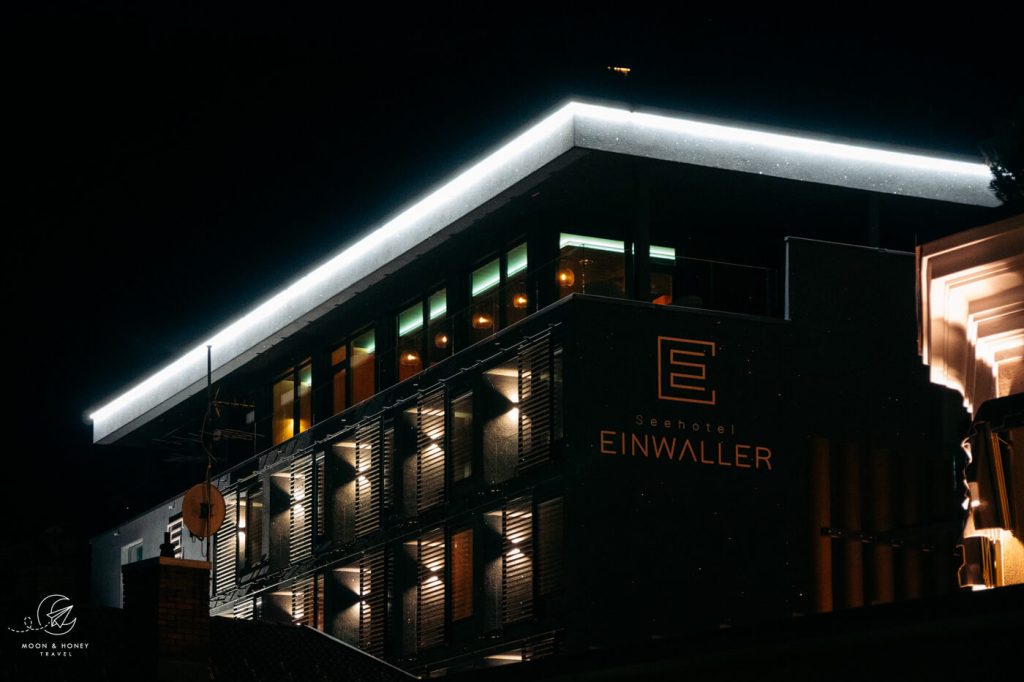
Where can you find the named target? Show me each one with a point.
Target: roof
(575, 125)
(258, 650)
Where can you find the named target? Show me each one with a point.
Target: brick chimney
(167, 607)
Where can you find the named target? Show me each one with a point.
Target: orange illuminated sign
(683, 370)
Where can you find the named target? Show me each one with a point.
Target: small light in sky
(622, 70)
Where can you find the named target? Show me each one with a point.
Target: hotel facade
(631, 375)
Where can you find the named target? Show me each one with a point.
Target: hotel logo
(683, 370)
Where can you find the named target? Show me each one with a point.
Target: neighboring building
(631, 375)
(971, 334)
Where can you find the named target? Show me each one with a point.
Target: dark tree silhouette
(1004, 153)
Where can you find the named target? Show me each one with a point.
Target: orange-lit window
(516, 297)
(499, 293)
(354, 371)
(423, 336)
(410, 341)
(462, 574)
(293, 403)
(591, 265)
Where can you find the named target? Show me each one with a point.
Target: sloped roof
(575, 125)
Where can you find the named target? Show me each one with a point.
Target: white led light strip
(575, 124)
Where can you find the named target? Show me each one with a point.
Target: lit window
(462, 574)
(485, 284)
(499, 293)
(590, 265)
(410, 341)
(516, 296)
(250, 528)
(423, 336)
(354, 371)
(293, 403)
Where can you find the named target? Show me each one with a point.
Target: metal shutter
(535, 397)
(430, 440)
(550, 540)
(517, 561)
(368, 477)
(373, 602)
(430, 595)
(225, 546)
(300, 516)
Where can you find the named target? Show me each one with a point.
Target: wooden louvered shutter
(225, 546)
(430, 439)
(302, 602)
(550, 541)
(430, 595)
(517, 561)
(243, 609)
(368, 477)
(388, 466)
(534, 403)
(300, 517)
(319, 490)
(373, 603)
(319, 618)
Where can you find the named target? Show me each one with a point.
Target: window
(462, 574)
(590, 265)
(499, 293)
(354, 371)
(423, 335)
(250, 528)
(293, 403)
(131, 552)
(663, 262)
(462, 436)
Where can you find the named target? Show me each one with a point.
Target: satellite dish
(202, 510)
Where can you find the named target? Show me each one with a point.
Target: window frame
(427, 337)
(346, 366)
(501, 318)
(295, 376)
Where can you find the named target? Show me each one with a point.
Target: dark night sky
(173, 166)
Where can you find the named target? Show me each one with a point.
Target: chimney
(167, 608)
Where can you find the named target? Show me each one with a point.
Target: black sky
(173, 165)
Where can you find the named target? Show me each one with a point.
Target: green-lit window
(591, 265)
(293, 403)
(516, 298)
(424, 338)
(354, 371)
(499, 293)
(410, 341)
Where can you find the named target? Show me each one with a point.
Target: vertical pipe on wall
(819, 478)
(883, 583)
(910, 516)
(853, 550)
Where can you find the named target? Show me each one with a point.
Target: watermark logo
(53, 616)
(683, 370)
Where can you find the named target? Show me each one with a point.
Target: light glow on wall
(580, 125)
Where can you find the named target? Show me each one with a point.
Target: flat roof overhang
(971, 315)
(575, 125)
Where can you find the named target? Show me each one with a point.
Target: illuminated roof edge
(587, 126)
